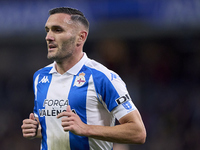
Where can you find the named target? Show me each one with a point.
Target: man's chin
(51, 57)
(54, 58)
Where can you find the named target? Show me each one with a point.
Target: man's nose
(49, 36)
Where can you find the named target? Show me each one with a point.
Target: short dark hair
(76, 15)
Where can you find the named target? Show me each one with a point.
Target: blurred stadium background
(154, 45)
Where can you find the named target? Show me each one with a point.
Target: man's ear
(82, 37)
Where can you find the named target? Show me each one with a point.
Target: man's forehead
(59, 18)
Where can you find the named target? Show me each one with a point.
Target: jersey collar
(75, 69)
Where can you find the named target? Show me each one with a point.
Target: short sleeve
(123, 109)
(113, 93)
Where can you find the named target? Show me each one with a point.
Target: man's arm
(131, 129)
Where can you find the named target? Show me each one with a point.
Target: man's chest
(75, 91)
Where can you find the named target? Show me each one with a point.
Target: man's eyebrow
(53, 26)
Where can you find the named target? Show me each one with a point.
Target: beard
(65, 51)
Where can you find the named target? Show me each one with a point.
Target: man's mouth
(51, 46)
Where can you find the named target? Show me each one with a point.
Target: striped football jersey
(96, 94)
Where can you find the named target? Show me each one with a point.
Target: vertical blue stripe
(42, 89)
(77, 101)
(105, 88)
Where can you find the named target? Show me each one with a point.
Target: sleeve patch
(123, 99)
(127, 105)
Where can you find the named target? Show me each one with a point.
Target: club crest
(80, 80)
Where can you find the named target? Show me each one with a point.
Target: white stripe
(35, 88)
(59, 89)
(97, 115)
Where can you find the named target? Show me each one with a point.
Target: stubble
(65, 51)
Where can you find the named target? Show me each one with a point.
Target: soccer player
(76, 98)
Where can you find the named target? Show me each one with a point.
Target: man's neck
(66, 64)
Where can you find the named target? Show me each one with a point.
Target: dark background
(154, 45)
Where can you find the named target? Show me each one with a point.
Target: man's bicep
(132, 117)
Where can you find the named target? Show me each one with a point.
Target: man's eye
(58, 30)
(47, 30)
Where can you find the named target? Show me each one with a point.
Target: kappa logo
(44, 80)
(80, 80)
(113, 76)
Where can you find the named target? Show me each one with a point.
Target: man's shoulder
(101, 71)
(44, 70)
(96, 66)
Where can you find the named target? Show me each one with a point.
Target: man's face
(61, 37)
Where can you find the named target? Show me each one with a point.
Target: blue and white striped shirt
(96, 94)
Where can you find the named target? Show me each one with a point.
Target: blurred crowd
(162, 76)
